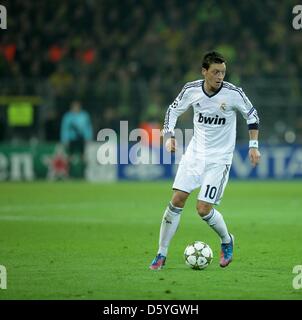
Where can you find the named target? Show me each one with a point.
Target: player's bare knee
(203, 208)
(179, 199)
(178, 202)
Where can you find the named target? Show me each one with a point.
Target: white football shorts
(212, 179)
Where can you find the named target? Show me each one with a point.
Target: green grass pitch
(75, 240)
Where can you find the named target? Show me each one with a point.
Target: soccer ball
(198, 255)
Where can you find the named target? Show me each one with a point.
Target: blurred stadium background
(127, 60)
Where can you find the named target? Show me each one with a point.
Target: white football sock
(168, 227)
(215, 220)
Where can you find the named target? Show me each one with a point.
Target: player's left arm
(254, 153)
(249, 112)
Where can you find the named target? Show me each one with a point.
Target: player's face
(214, 75)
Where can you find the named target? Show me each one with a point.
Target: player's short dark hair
(212, 57)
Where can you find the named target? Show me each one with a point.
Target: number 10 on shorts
(210, 192)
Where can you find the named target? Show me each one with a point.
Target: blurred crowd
(127, 59)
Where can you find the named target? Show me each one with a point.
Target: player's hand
(254, 156)
(171, 145)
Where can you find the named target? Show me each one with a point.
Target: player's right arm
(178, 107)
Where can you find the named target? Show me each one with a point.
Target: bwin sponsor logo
(211, 120)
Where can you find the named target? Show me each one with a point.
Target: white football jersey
(214, 119)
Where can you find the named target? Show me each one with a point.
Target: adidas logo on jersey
(211, 120)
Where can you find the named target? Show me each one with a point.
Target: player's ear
(203, 71)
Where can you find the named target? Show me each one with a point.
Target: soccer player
(76, 130)
(207, 160)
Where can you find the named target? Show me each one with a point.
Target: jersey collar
(212, 95)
